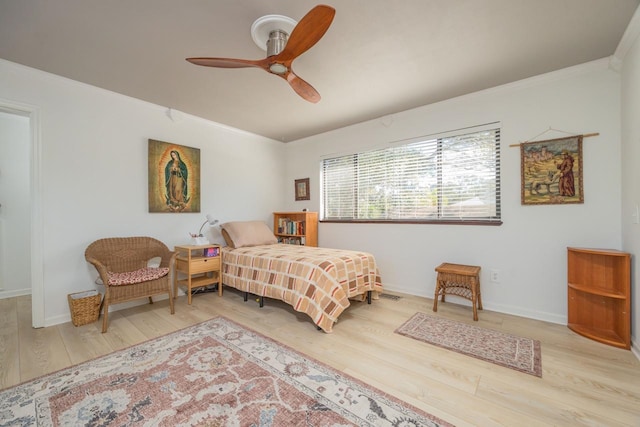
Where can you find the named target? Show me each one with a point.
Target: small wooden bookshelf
(599, 287)
(296, 228)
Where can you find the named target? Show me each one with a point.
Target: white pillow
(248, 233)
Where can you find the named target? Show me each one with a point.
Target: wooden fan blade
(307, 32)
(302, 88)
(229, 62)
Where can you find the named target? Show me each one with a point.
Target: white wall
(630, 89)
(15, 233)
(529, 249)
(94, 173)
(94, 179)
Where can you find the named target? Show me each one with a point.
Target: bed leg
(246, 296)
(368, 297)
(318, 328)
(261, 302)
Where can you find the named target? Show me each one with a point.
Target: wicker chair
(122, 263)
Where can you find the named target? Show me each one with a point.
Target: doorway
(21, 263)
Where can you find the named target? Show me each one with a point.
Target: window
(455, 178)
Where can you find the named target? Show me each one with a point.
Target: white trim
(37, 262)
(15, 293)
(66, 318)
(421, 138)
(450, 133)
(635, 350)
(498, 308)
(540, 79)
(161, 109)
(628, 39)
(37, 227)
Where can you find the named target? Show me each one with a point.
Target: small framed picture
(302, 189)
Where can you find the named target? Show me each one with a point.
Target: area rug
(216, 373)
(511, 351)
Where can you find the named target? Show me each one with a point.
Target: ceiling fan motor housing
(277, 41)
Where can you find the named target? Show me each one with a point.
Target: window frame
(495, 220)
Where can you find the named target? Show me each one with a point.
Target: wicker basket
(84, 307)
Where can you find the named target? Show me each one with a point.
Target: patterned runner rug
(521, 354)
(216, 373)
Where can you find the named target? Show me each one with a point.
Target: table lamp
(199, 239)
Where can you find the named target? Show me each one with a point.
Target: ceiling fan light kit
(284, 40)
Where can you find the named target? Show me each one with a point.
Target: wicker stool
(460, 280)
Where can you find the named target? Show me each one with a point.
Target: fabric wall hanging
(551, 171)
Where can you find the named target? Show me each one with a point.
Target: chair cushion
(138, 276)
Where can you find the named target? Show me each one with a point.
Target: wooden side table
(201, 265)
(460, 280)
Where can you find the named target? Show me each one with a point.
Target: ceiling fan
(284, 41)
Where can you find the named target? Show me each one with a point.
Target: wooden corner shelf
(605, 336)
(599, 289)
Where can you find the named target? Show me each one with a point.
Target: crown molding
(629, 37)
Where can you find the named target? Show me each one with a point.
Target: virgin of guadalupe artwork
(551, 171)
(174, 177)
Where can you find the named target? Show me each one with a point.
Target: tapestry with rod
(551, 171)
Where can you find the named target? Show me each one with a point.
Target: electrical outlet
(495, 276)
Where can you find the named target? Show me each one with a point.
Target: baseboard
(529, 314)
(635, 350)
(65, 318)
(14, 293)
(56, 320)
(515, 311)
(500, 308)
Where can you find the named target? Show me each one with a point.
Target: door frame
(35, 166)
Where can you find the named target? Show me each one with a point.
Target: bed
(320, 282)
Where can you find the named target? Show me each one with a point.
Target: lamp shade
(198, 238)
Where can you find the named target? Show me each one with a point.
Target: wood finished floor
(583, 382)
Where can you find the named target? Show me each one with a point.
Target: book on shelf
(298, 240)
(289, 226)
(211, 252)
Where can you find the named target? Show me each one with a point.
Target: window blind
(451, 178)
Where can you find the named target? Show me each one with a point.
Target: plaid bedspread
(315, 281)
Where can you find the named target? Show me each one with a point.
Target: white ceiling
(378, 57)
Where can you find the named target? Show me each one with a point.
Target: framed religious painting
(174, 177)
(551, 171)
